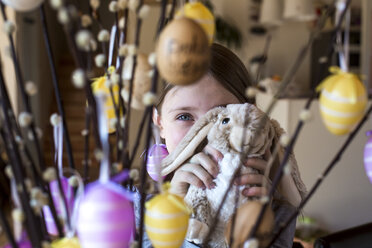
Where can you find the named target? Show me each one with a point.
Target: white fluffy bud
(251, 243)
(18, 215)
(50, 174)
(122, 4)
(78, 78)
(73, 181)
(284, 140)
(94, 4)
(31, 88)
(132, 50)
(9, 27)
(114, 77)
(84, 132)
(123, 50)
(63, 16)
(46, 244)
(122, 23)
(55, 119)
(152, 59)
(134, 244)
(305, 115)
(133, 5)
(144, 11)
(98, 154)
(83, 38)
(103, 35)
(56, 4)
(86, 21)
(149, 98)
(251, 92)
(113, 6)
(134, 174)
(9, 171)
(287, 169)
(24, 119)
(100, 60)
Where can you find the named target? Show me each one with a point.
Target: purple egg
(156, 154)
(58, 203)
(368, 157)
(105, 217)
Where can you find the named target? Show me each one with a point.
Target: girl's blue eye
(184, 117)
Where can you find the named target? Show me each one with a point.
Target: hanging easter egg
(66, 243)
(202, 15)
(23, 5)
(99, 86)
(246, 217)
(105, 217)
(182, 52)
(368, 156)
(58, 203)
(342, 101)
(154, 157)
(141, 81)
(166, 220)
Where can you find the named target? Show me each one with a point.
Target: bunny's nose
(236, 138)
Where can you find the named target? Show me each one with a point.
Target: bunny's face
(227, 133)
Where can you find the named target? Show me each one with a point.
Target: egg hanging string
(343, 49)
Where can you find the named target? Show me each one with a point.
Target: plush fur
(225, 129)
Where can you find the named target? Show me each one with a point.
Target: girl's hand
(250, 179)
(200, 172)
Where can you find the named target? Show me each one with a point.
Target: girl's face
(184, 105)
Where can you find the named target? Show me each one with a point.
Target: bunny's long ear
(193, 140)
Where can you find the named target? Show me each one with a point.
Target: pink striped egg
(368, 156)
(105, 217)
(155, 155)
(58, 203)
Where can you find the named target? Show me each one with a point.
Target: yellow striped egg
(342, 101)
(100, 86)
(202, 15)
(166, 220)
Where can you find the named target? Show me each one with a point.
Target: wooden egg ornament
(166, 220)
(245, 219)
(202, 15)
(342, 101)
(141, 81)
(23, 5)
(99, 86)
(105, 216)
(58, 203)
(368, 156)
(182, 52)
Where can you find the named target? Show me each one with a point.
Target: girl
(180, 107)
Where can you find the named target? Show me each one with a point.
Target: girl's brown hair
(228, 70)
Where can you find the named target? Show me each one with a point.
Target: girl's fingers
(206, 162)
(214, 154)
(199, 172)
(256, 163)
(249, 179)
(254, 191)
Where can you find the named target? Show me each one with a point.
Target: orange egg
(182, 52)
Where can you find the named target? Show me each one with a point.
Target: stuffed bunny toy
(232, 130)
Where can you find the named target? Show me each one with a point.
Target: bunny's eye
(225, 121)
